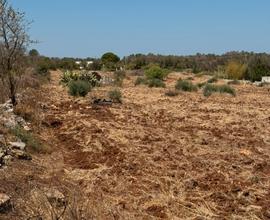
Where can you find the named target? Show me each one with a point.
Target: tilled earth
(183, 157)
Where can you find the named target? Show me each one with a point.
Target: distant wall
(266, 79)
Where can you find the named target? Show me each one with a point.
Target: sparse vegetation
(79, 88)
(157, 83)
(234, 82)
(115, 95)
(213, 80)
(33, 143)
(140, 81)
(201, 85)
(186, 86)
(209, 89)
(119, 77)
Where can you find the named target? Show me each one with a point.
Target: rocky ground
(152, 157)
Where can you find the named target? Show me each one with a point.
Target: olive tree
(14, 41)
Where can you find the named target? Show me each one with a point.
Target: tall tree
(14, 40)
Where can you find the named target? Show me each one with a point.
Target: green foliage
(115, 95)
(79, 88)
(258, 66)
(154, 82)
(155, 72)
(33, 53)
(185, 85)
(32, 142)
(140, 81)
(88, 77)
(171, 93)
(209, 89)
(69, 76)
(110, 58)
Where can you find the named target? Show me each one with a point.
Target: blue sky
(89, 28)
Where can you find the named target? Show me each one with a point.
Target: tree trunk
(12, 90)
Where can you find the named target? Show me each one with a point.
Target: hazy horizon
(90, 28)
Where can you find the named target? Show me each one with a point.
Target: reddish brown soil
(184, 157)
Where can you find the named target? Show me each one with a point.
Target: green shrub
(227, 89)
(258, 66)
(89, 77)
(69, 76)
(140, 81)
(209, 89)
(32, 142)
(202, 84)
(156, 83)
(155, 72)
(115, 95)
(213, 80)
(79, 88)
(185, 85)
(171, 93)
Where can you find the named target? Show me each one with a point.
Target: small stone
(21, 155)
(6, 159)
(18, 145)
(55, 197)
(5, 203)
(26, 128)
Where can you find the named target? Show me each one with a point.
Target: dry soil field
(183, 157)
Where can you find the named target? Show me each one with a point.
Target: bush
(258, 66)
(171, 93)
(213, 80)
(155, 72)
(235, 70)
(227, 89)
(202, 84)
(185, 85)
(92, 78)
(119, 77)
(115, 95)
(69, 76)
(79, 88)
(140, 81)
(156, 83)
(210, 88)
(32, 142)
